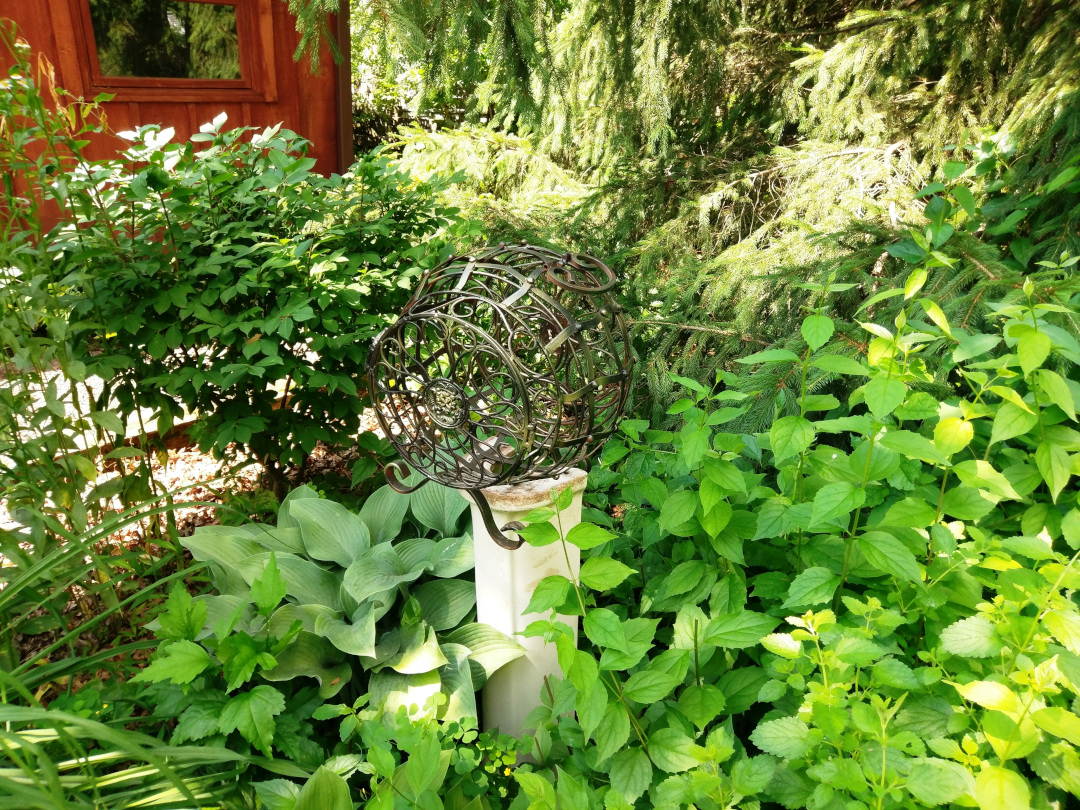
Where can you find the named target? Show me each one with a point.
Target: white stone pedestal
(504, 585)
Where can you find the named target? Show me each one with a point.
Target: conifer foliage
(733, 150)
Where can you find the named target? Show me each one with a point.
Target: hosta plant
(374, 599)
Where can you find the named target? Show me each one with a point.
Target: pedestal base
(505, 581)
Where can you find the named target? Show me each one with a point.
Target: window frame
(254, 33)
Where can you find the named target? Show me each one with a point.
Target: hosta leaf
(487, 646)
(356, 637)
(445, 602)
(383, 512)
(304, 580)
(438, 507)
(378, 569)
(330, 531)
(312, 656)
(419, 651)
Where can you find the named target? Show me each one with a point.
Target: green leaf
(836, 500)
(1065, 627)
(603, 573)
(952, 434)
(563, 498)
(812, 587)
(268, 589)
(974, 637)
(1055, 388)
(895, 673)
(325, 790)
(445, 602)
(770, 356)
(678, 509)
(383, 512)
(840, 364)
(252, 713)
(816, 331)
(631, 773)
(936, 782)
(378, 569)
(889, 555)
(422, 768)
(200, 719)
(355, 638)
(739, 630)
(753, 775)
(305, 580)
(108, 421)
(569, 792)
(883, 395)
(785, 737)
(997, 788)
(974, 346)
(179, 662)
(701, 704)
(1059, 722)
(966, 503)
(673, 751)
(790, 435)
(330, 531)
(438, 507)
(649, 686)
(605, 629)
(912, 445)
(1055, 465)
(1033, 349)
(487, 646)
(550, 592)
(540, 534)
(183, 617)
(419, 651)
(613, 731)
(588, 535)
(1011, 421)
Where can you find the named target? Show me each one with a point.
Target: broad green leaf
(252, 714)
(631, 773)
(997, 788)
(383, 512)
(816, 331)
(605, 629)
(109, 421)
(422, 768)
(268, 589)
(325, 790)
(569, 792)
(549, 593)
(739, 630)
(966, 503)
(840, 364)
(378, 569)
(200, 719)
(331, 532)
(1055, 388)
(973, 637)
(938, 782)
(588, 535)
(883, 395)
(304, 580)
(312, 656)
(613, 732)
(812, 587)
(753, 775)
(835, 501)
(540, 534)
(1032, 349)
(974, 346)
(889, 555)
(457, 684)
(183, 617)
(438, 507)
(285, 517)
(790, 435)
(1059, 722)
(991, 695)
(912, 445)
(649, 686)
(895, 673)
(952, 434)
(603, 573)
(444, 603)
(678, 510)
(701, 704)
(782, 644)
(673, 751)
(1055, 465)
(356, 637)
(770, 356)
(179, 662)
(1011, 421)
(1065, 627)
(487, 646)
(785, 737)
(419, 650)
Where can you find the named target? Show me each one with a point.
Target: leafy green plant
(312, 598)
(273, 279)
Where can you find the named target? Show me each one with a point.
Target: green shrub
(868, 605)
(231, 280)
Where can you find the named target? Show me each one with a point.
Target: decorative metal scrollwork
(509, 365)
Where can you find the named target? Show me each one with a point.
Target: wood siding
(273, 88)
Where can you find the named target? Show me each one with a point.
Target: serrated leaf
(268, 589)
(631, 773)
(997, 788)
(816, 331)
(889, 555)
(790, 435)
(739, 630)
(813, 586)
(671, 750)
(937, 782)
(785, 737)
(974, 637)
(883, 395)
(179, 662)
(836, 500)
(603, 573)
(252, 714)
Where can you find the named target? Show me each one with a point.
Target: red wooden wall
(273, 87)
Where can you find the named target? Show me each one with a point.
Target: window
(168, 39)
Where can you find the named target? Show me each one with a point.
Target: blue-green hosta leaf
(457, 684)
(304, 580)
(274, 539)
(438, 507)
(487, 647)
(225, 550)
(419, 651)
(383, 512)
(391, 690)
(356, 637)
(453, 556)
(285, 517)
(785, 737)
(445, 602)
(311, 656)
(378, 569)
(331, 532)
(179, 662)
(282, 619)
(252, 714)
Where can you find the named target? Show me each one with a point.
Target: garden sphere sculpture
(508, 365)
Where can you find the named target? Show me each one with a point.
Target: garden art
(835, 572)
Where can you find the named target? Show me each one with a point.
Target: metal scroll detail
(509, 365)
